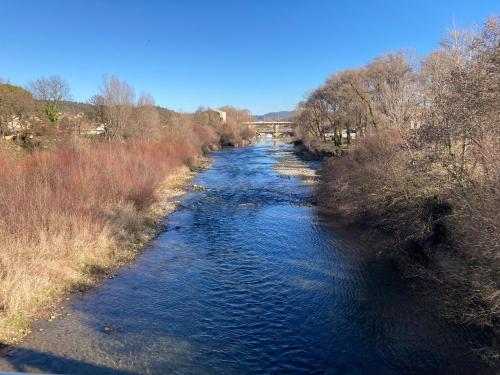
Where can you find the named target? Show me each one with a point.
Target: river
(249, 277)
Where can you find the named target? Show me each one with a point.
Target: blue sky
(261, 55)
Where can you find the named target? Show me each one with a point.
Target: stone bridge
(277, 129)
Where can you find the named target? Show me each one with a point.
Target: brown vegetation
(69, 214)
(16, 107)
(425, 165)
(83, 197)
(232, 132)
(50, 91)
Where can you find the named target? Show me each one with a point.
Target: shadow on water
(250, 278)
(26, 360)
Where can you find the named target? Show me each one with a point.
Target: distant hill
(273, 116)
(74, 107)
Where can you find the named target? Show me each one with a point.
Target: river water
(249, 278)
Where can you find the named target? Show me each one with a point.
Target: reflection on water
(249, 279)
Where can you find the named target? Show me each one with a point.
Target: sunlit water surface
(249, 278)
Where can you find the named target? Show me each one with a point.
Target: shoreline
(411, 261)
(140, 309)
(292, 165)
(122, 253)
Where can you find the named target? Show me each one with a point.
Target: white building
(222, 115)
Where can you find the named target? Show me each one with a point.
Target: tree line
(44, 106)
(425, 163)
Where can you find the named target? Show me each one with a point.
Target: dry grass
(66, 217)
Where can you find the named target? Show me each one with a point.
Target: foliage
(425, 167)
(51, 112)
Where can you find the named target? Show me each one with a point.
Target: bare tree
(51, 91)
(117, 98)
(98, 111)
(357, 86)
(427, 169)
(395, 95)
(146, 120)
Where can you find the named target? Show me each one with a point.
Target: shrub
(68, 211)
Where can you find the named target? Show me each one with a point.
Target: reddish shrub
(64, 210)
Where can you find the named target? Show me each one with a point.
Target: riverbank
(423, 164)
(252, 277)
(418, 227)
(94, 211)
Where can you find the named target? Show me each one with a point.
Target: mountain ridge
(274, 116)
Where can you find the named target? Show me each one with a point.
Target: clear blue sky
(262, 54)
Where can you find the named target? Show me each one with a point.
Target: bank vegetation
(416, 155)
(81, 184)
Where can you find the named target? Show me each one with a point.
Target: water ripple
(250, 279)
